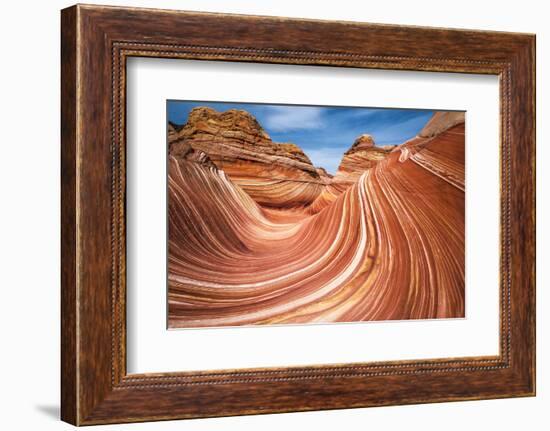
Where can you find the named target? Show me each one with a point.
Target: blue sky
(323, 132)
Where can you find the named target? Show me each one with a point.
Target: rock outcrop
(362, 155)
(442, 121)
(440, 147)
(274, 174)
(325, 177)
(185, 152)
(362, 143)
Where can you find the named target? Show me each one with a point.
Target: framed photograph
(263, 214)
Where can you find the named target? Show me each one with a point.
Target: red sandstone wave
(389, 246)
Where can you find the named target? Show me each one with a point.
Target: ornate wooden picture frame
(96, 42)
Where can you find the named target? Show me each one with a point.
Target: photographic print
(294, 214)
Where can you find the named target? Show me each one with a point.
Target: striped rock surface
(389, 246)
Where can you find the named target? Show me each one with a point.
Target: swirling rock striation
(389, 246)
(439, 147)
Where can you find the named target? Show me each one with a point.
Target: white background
(151, 348)
(29, 227)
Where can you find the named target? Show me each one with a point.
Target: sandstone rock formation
(440, 147)
(362, 155)
(442, 121)
(274, 174)
(185, 152)
(388, 246)
(325, 177)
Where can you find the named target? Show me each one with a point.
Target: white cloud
(285, 118)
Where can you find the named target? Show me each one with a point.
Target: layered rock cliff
(274, 174)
